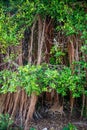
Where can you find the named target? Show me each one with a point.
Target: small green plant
(57, 55)
(32, 128)
(5, 122)
(70, 126)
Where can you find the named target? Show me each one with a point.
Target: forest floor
(58, 122)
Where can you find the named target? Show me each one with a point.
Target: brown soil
(58, 122)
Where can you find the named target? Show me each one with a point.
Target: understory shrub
(5, 122)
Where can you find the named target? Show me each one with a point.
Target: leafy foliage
(57, 55)
(42, 78)
(16, 16)
(5, 122)
(70, 127)
(32, 128)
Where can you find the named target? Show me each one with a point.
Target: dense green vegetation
(41, 79)
(5, 122)
(69, 16)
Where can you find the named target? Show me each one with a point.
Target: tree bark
(33, 102)
(31, 43)
(71, 53)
